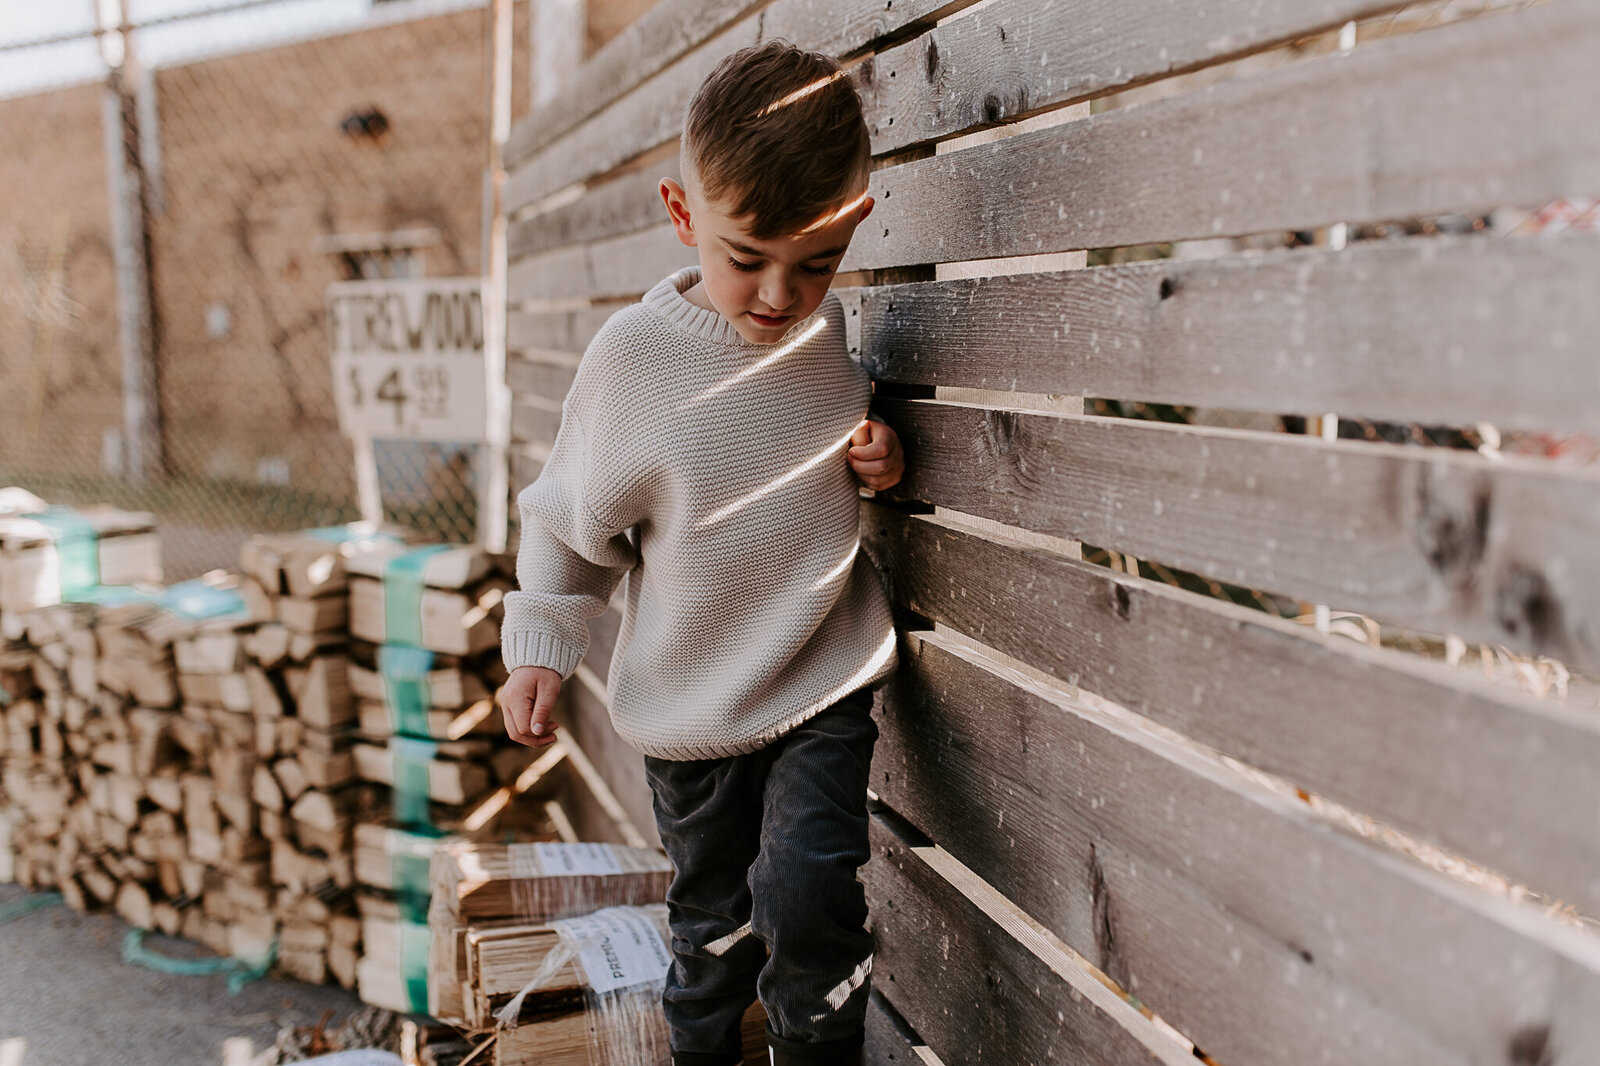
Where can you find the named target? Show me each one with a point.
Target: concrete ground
(68, 999)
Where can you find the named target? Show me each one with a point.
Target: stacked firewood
(50, 554)
(266, 762)
(130, 795)
(296, 666)
(424, 665)
(556, 952)
(427, 626)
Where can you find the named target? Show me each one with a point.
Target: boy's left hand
(875, 455)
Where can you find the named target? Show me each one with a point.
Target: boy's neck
(696, 294)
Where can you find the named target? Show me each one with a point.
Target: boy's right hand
(526, 700)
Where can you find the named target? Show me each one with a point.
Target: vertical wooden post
(130, 232)
(493, 504)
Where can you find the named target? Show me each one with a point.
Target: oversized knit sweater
(710, 473)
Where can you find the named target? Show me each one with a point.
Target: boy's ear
(866, 209)
(677, 202)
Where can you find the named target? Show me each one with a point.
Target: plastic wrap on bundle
(621, 956)
(486, 886)
(540, 881)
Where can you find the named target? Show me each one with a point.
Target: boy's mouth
(768, 321)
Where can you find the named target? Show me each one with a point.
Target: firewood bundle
(477, 887)
(129, 795)
(50, 554)
(227, 761)
(582, 991)
(296, 665)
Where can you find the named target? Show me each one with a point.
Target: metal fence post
(141, 411)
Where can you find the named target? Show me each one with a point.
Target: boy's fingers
(875, 450)
(539, 724)
(515, 711)
(862, 434)
(869, 467)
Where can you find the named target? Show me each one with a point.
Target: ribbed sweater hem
(749, 743)
(521, 648)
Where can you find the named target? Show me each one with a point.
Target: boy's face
(763, 287)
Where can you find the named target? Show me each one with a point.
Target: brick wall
(60, 366)
(257, 178)
(261, 176)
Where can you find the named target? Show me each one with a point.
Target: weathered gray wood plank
(668, 30)
(1018, 57)
(976, 995)
(531, 424)
(890, 1041)
(1436, 539)
(651, 113)
(526, 464)
(619, 763)
(556, 331)
(617, 207)
(649, 43)
(618, 266)
(1260, 932)
(1461, 118)
(1442, 331)
(542, 378)
(846, 29)
(1497, 777)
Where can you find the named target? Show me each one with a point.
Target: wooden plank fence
(1121, 820)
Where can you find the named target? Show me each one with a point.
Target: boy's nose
(776, 292)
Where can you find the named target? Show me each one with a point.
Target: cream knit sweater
(710, 473)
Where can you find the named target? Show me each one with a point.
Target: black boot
(847, 1052)
(696, 1058)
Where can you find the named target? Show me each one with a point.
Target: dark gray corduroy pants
(765, 899)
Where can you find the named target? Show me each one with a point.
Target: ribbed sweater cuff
(539, 649)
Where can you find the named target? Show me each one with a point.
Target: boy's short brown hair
(775, 136)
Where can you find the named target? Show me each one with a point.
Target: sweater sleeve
(568, 563)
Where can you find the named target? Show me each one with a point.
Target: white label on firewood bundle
(618, 947)
(575, 860)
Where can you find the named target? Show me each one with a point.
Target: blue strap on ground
(402, 594)
(412, 756)
(240, 971)
(405, 687)
(77, 545)
(38, 901)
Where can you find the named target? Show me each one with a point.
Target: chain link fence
(184, 186)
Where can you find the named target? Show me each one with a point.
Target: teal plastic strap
(193, 600)
(198, 601)
(408, 875)
(77, 545)
(345, 535)
(10, 912)
(405, 687)
(240, 971)
(402, 594)
(415, 940)
(411, 758)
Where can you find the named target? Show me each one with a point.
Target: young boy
(708, 453)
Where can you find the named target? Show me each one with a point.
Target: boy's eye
(739, 264)
(821, 271)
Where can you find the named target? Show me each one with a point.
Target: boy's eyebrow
(826, 253)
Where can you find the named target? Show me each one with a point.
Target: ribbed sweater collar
(667, 300)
